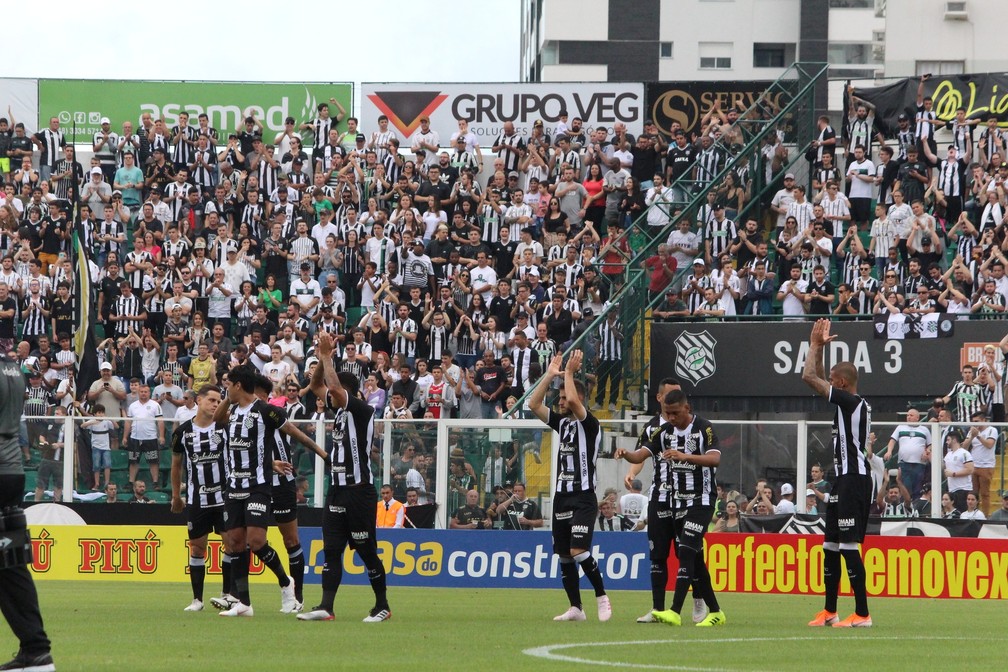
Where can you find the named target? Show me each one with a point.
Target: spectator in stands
(958, 469)
(140, 493)
(913, 443)
(1001, 515)
(969, 395)
(972, 512)
(519, 512)
(111, 493)
(471, 516)
(786, 503)
(980, 441)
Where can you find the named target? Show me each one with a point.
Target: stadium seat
(120, 460)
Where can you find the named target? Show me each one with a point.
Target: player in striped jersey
(247, 466)
(850, 499)
(349, 516)
(660, 512)
(199, 444)
(284, 495)
(691, 447)
(575, 505)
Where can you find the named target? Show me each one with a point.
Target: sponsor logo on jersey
(846, 522)
(665, 513)
(579, 529)
(238, 495)
(359, 536)
(209, 489)
(563, 515)
(256, 507)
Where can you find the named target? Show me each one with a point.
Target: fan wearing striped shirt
(575, 505)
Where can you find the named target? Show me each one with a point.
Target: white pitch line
(548, 652)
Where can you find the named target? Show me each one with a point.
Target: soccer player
(247, 466)
(349, 514)
(654, 442)
(575, 505)
(18, 597)
(850, 498)
(284, 495)
(200, 443)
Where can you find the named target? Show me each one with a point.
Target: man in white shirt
(633, 505)
(684, 244)
(661, 198)
(792, 293)
(143, 433)
(861, 177)
(913, 443)
(484, 277)
(306, 291)
(786, 503)
(427, 140)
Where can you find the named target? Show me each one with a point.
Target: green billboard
(83, 102)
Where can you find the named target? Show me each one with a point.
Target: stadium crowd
(448, 292)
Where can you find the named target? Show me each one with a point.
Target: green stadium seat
(120, 460)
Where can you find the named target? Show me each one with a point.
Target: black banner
(744, 359)
(981, 95)
(800, 523)
(688, 102)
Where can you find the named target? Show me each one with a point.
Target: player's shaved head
(847, 372)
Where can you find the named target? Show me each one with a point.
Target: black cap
(925, 240)
(360, 137)
(902, 117)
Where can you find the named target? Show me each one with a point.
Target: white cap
(810, 493)
(786, 489)
(96, 171)
(105, 366)
(105, 120)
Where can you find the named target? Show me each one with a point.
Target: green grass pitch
(110, 626)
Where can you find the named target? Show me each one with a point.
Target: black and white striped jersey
(437, 342)
(851, 426)
(578, 449)
(130, 306)
(402, 345)
(708, 164)
(249, 455)
(176, 195)
(969, 399)
(610, 346)
(33, 321)
(320, 130)
(52, 141)
(182, 152)
(136, 277)
(925, 129)
(110, 228)
(544, 351)
(691, 484)
(951, 176)
(352, 434)
(281, 449)
(203, 449)
(860, 133)
(511, 158)
(204, 175)
(905, 139)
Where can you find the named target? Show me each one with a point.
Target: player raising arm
(850, 499)
(575, 505)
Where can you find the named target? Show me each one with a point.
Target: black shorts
(202, 522)
(691, 525)
(860, 209)
(574, 517)
(660, 530)
(284, 502)
(247, 508)
(847, 509)
(349, 516)
(148, 448)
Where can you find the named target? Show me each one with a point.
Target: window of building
(851, 53)
(940, 67)
(550, 53)
(716, 55)
(772, 55)
(664, 50)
